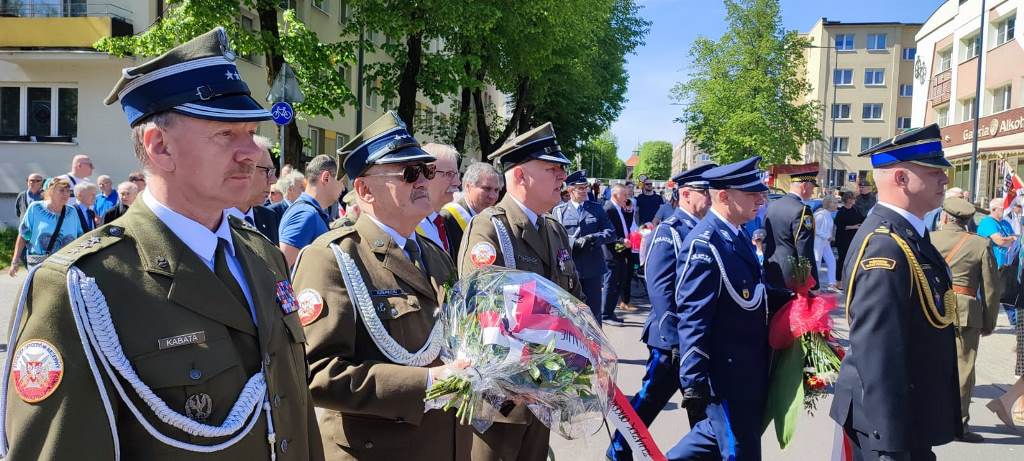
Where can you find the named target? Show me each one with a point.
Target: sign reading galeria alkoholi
(1001, 124)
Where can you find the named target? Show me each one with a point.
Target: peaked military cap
(694, 177)
(197, 78)
(808, 176)
(385, 141)
(536, 144)
(922, 146)
(958, 207)
(743, 175)
(579, 177)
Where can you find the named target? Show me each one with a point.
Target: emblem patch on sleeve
(311, 305)
(878, 263)
(36, 370)
(483, 254)
(286, 297)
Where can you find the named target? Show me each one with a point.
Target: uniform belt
(965, 290)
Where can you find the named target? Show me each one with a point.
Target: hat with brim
(576, 178)
(386, 141)
(807, 176)
(743, 175)
(694, 177)
(536, 144)
(197, 78)
(922, 146)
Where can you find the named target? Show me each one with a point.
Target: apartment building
(52, 84)
(863, 74)
(952, 42)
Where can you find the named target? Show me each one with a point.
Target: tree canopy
(655, 160)
(741, 98)
(599, 156)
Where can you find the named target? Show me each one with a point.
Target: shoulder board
(882, 230)
(670, 220)
(334, 235)
(493, 211)
(85, 245)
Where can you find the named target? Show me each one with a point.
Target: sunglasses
(411, 173)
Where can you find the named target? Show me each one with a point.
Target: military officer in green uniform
(519, 233)
(976, 283)
(172, 334)
(369, 295)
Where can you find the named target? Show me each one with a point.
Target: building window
(340, 141)
(872, 111)
(874, 77)
(844, 42)
(942, 116)
(866, 143)
(1001, 99)
(966, 109)
(876, 42)
(343, 12)
(1005, 29)
(970, 47)
(320, 5)
(372, 96)
(842, 77)
(43, 112)
(346, 75)
(902, 123)
(841, 111)
(906, 90)
(314, 147)
(945, 60)
(838, 178)
(841, 145)
(909, 54)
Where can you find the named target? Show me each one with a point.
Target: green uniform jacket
(973, 266)
(372, 408)
(157, 288)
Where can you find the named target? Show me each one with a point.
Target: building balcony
(940, 90)
(61, 23)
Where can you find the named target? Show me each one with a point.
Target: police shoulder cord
(751, 304)
(360, 296)
(507, 251)
(98, 334)
(918, 280)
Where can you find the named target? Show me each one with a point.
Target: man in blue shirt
(107, 197)
(307, 218)
(996, 229)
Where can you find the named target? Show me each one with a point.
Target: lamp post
(977, 106)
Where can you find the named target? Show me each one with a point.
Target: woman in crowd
(824, 234)
(47, 225)
(1010, 406)
(847, 221)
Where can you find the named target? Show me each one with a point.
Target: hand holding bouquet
(529, 343)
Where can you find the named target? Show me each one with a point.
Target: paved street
(813, 439)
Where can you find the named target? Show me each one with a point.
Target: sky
(663, 61)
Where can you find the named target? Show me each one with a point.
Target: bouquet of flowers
(808, 357)
(529, 343)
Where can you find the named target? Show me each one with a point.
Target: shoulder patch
(878, 263)
(37, 370)
(483, 254)
(808, 223)
(311, 305)
(87, 244)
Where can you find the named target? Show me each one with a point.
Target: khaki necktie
(413, 250)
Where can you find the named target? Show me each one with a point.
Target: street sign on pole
(283, 92)
(282, 113)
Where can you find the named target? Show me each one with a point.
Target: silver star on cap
(229, 75)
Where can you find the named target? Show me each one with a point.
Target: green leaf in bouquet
(535, 373)
(786, 393)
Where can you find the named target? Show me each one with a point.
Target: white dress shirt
(735, 229)
(201, 241)
(398, 238)
(429, 230)
(915, 222)
(529, 213)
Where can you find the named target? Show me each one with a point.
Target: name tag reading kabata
(197, 337)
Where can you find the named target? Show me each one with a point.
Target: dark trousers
(864, 454)
(661, 382)
(629, 260)
(591, 287)
(612, 285)
(729, 432)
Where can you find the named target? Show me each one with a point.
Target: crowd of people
(227, 309)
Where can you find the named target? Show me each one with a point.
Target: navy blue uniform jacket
(664, 261)
(590, 220)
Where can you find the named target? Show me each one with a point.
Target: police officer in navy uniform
(661, 379)
(723, 310)
(588, 228)
(789, 223)
(897, 394)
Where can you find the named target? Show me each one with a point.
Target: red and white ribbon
(628, 423)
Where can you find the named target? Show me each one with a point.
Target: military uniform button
(195, 374)
(266, 359)
(277, 400)
(368, 445)
(877, 436)
(284, 446)
(394, 312)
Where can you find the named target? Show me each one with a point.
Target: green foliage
(599, 156)
(741, 97)
(316, 63)
(655, 160)
(8, 235)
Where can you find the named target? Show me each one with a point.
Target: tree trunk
(482, 130)
(522, 89)
(267, 11)
(408, 85)
(462, 124)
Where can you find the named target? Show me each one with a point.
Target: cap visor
(408, 154)
(235, 108)
(937, 162)
(759, 187)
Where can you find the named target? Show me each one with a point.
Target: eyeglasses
(267, 171)
(411, 173)
(35, 180)
(448, 174)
